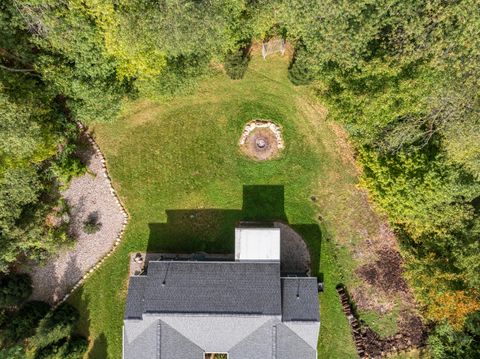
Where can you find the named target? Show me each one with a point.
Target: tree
(236, 63)
(74, 348)
(445, 342)
(299, 71)
(404, 78)
(14, 352)
(14, 289)
(23, 323)
(55, 326)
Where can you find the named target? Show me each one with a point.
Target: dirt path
(89, 194)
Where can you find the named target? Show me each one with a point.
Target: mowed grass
(178, 170)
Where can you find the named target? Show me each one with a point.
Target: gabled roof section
(173, 345)
(273, 340)
(290, 346)
(206, 287)
(300, 299)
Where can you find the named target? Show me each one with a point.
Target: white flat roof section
(257, 244)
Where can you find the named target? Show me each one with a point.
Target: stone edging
(252, 125)
(87, 274)
(358, 332)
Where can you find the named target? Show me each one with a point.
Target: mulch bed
(386, 272)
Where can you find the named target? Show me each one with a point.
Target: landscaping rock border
(258, 123)
(120, 205)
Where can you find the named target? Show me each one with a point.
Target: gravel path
(89, 194)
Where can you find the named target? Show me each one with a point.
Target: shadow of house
(213, 230)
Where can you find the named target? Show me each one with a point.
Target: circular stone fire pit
(261, 140)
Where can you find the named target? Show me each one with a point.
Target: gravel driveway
(88, 194)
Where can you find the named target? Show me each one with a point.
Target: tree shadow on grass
(98, 345)
(213, 230)
(99, 348)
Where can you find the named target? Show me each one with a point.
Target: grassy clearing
(385, 325)
(171, 160)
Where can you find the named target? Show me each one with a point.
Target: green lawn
(178, 170)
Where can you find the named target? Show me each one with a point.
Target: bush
(92, 224)
(14, 289)
(4, 315)
(15, 352)
(446, 343)
(24, 322)
(299, 71)
(55, 326)
(236, 63)
(64, 349)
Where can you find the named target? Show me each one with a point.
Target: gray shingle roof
(206, 287)
(258, 345)
(182, 309)
(136, 287)
(300, 299)
(290, 346)
(173, 345)
(153, 338)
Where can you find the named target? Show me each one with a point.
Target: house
(242, 309)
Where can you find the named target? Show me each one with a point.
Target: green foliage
(92, 224)
(14, 289)
(446, 343)
(74, 348)
(55, 326)
(299, 71)
(14, 352)
(181, 75)
(412, 112)
(236, 63)
(384, 325)
(27, 196)
(22, 324)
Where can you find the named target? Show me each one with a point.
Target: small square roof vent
(257, 244)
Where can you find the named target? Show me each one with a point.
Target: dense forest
(402, 76)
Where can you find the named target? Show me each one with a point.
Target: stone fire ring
(261, 140)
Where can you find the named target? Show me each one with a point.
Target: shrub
(24, 322)
(445, 342)
(4, 315)
(92, 224)
(15, 352)
(299, 71)
(55, 326)
(236, 63)
(14, 289)
(64, 349)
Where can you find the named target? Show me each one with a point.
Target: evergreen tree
(14, 289)
(55, 326)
